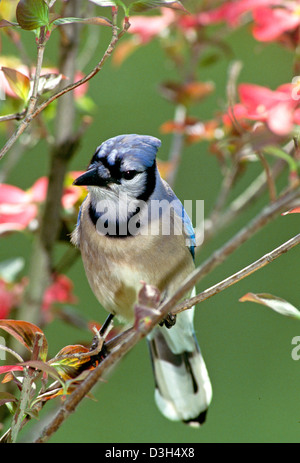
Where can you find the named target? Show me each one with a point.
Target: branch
(33, 99)
(219, 220)
(13, 117)
(32, 115)
(238, 276)
(240, 204)
(131, 337)
(177, 145)
(219, 256)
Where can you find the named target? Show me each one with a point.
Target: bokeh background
(247, 347)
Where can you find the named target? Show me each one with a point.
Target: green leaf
(86, 104)
(25, 333)
(273, 302)
(280, 153)
(96, 21)
(71, 361)
(18, 82)
(9, 269)
(32, 14)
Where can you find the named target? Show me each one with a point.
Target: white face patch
(134, 187)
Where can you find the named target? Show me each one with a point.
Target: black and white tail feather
(183, 390)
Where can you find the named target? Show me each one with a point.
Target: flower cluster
(279, 109)
(19, 209)
(60, 291)
(271, 20)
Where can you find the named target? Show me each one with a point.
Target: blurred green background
(247, 347)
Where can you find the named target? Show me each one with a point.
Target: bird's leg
(100, 338)
(170, 319)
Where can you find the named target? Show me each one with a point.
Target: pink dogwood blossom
(147, 28)
(278, 109)
(18, 208)
(271, 23)
(59, 291)
(10, 296)
(232, 12)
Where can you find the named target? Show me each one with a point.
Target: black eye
(129, 174)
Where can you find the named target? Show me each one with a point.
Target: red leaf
(295, 210)
(25, 333)
(7, 368)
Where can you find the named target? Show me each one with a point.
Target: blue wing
(189, 231)
(186, 221)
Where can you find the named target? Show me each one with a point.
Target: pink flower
(232, 12)
(10, 296)
(60, 291)
(270, 23)
(18, 208)
(275, 108)
(147, 28)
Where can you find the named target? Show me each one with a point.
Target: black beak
(90, 177)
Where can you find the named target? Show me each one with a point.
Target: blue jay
(124, 240)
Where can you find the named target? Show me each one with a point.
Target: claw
(169, 321)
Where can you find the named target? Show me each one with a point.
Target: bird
(131, 229)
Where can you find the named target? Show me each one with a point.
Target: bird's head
(123, 165)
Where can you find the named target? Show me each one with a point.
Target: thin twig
(29, 117)
(270, 179)
(177, 145)
(234, 72)
(240, 204)
(219, 256)
(13, 117)
(29, 375)
(71, 403)
(33, 99)
(238, 276)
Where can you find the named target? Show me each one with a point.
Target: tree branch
(32, 115)
(219, 256)
(131, 337)
(238, 276)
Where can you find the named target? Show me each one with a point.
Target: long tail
(182, 387)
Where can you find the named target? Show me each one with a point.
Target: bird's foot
(98, 349)
(169, 321)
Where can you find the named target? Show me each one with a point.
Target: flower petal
(270, 23)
